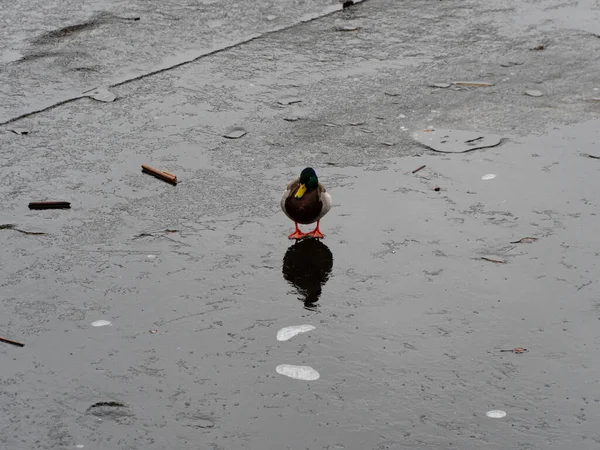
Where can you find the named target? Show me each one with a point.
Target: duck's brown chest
(304, 210)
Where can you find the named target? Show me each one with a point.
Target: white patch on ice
(496, 414)
(306, 373)
(289, 332)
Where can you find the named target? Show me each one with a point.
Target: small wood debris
(419, 168)
(497, 261)
(154, 233)
(9, 226)
(347, 28)
(517, 350)
(49, 205)
(511, 63)
(10, 341)
(165, 176)
(289, 101)
(473, 83)
(525, 240)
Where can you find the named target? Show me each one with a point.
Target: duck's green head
(308, 182)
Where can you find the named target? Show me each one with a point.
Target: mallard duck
(306, 201)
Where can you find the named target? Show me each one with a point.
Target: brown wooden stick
(515, 350)
(9, 341)
(419, 168)
(49, 205)
(9, 226)
(497, 261)
(165, 176)
(34, 233)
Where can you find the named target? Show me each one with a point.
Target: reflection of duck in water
(307, 265)
(306, 201)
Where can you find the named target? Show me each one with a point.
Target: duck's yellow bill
(301, 190)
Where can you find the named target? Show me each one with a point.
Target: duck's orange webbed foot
(297, 234)
(316, 233)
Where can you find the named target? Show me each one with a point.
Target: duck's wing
(291, 187)
(288, 191)
(326, 200)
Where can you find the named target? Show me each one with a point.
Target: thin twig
(34, 233)
(497, 261)
(419, 168)
(10, 341)
(515, 350)
(10, 226)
